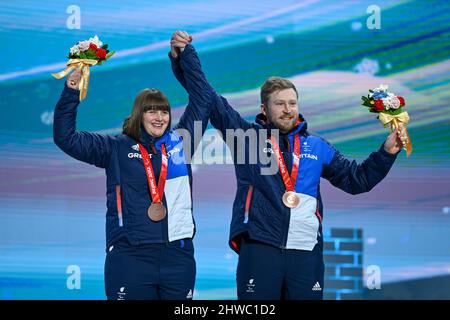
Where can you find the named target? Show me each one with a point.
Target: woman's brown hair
(147, 99)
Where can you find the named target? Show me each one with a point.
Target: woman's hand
(73, 79)
(396, 140)
(180, 39)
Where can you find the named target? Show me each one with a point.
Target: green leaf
(393, 112)
(365, 99)
(366, 102)
(83, 55)
(110, 54)
(105, 46)
(91, 54)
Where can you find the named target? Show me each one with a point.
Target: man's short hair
(275, 84)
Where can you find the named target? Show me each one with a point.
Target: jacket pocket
(135, 202)
(114, 202)
(248, 202)
(119, 204)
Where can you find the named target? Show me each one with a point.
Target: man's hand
(396, 140)
(180, 39)
(73, 79)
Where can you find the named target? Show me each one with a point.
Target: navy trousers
(266, 272)
(150, 271)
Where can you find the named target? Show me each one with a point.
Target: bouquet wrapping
(389, 108)
(82, 56)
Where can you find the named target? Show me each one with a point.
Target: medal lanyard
(156, 192)
(289, 181)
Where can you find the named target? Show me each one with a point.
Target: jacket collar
(147, 139)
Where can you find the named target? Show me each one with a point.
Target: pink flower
(84, 45)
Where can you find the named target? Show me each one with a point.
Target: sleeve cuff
(189, 49)
(387, 154)
(70, 92)
(172, 59)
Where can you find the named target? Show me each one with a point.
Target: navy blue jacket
(258, 209)
(126, 181)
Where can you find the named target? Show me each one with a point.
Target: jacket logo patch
(132, 155)
(306, 147)
(309, 156)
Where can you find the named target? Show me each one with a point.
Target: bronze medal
(156, 212)
(291, 199)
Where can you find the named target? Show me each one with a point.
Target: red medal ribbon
(289, 181)
(156, 191)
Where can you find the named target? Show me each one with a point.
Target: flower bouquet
(82, 56)
(389, 108)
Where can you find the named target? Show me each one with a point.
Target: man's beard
(284, 126)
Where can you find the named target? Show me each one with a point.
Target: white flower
(95, 40)
(84, 45)
(381, 88)
(75, 50)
